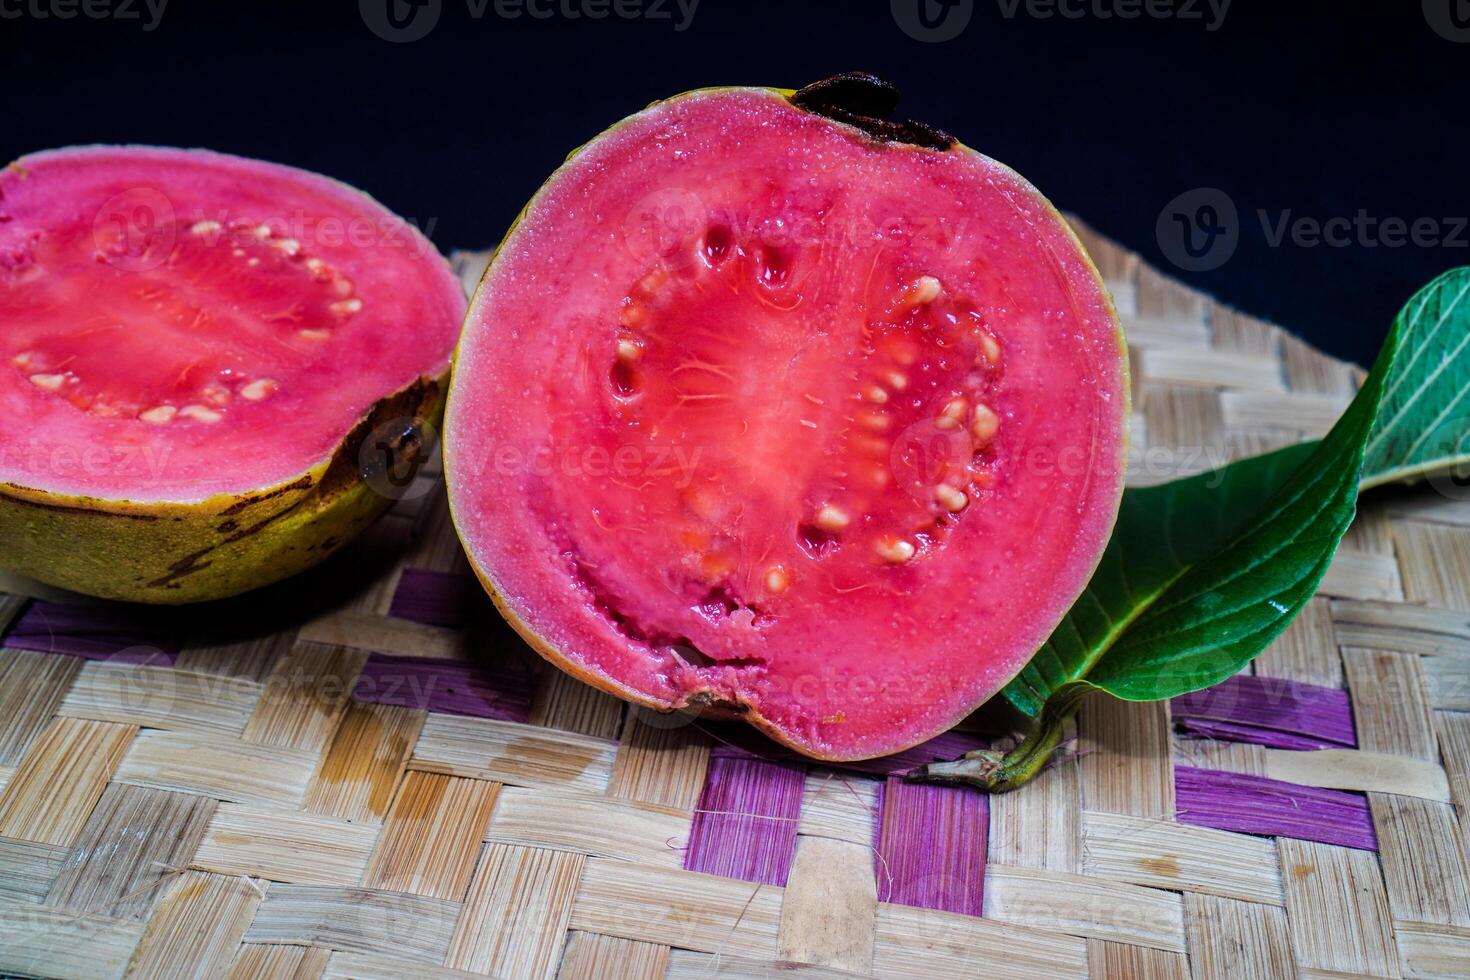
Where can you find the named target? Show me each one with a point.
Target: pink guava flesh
(756, 411)
(179, 324)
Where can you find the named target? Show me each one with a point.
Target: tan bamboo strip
(1182, 422)
(1402, 627)
(660, 763)
(366, 966)
(1080, 905)
(1436, 564)
(1454, 742)
(225, 768)
(6, 774)
(1148, 332)
(284, 845)
(1211, 369)
(27, 869)
(362, 764)
(591, 824)
(1203, 753)
(1041, 828)
(678, 908)
(589, 956)
(1391, 704)
(248, 658)
(829, 906)
(1356, 574)
(1159, 295)
(1447, 682)
(1125, 764)
(1307, 650)
(912, 942)
(305, 696)
(1363, 771)
(508, 752)
(1423, 856)
(1371, 531)
(381, 634)
(359, 920)
(1232, 330)
(37, 941)
(1165, 854)
(432, 836)
(1430, 509)
(1230, 939)
(1337, 909)
(134, 840)
(840, 806)
(686, 964)
(566, 703)
(32, 685)
(1433, 950)
(160, 697)
(59, 780)
(1307, 371)
(256, 961)
(515, 919)
(197, 928)
(1106, 959)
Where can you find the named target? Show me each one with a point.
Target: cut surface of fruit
(756, 410)
(185, 332)
(226, 321)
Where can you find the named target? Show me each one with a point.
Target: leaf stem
(999, 772)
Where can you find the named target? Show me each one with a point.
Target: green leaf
(1202, 573)
(1424, 425)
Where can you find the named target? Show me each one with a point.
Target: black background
(1320, 109)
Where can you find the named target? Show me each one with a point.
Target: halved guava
(770, 404)
(194, 349)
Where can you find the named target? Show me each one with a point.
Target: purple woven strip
(1272, 808)
(120, 634)
(500, 690)
(745, 825)
(436, 598)
(742, 741)
(931, 846)
(941, 748)
(1268, 711)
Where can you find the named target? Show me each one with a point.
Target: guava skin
(171, 554)
(722, 676)
(216, 312)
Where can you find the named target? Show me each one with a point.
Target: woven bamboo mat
(362, 773)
